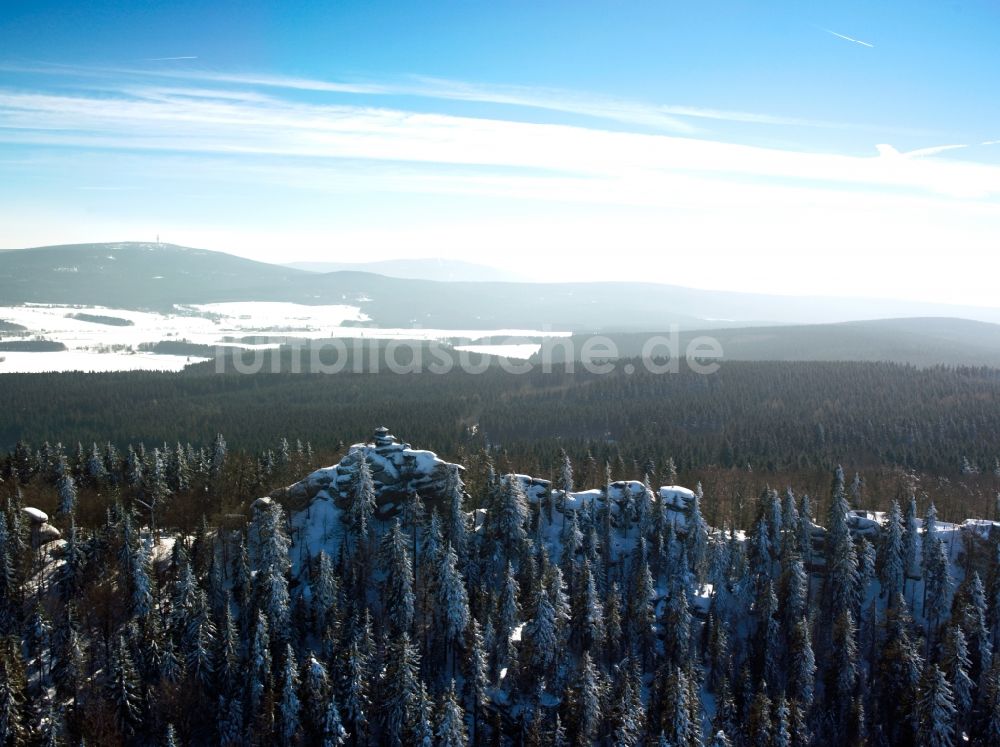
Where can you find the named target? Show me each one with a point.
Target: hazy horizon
(836, 152)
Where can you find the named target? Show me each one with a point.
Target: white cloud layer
(675, 198)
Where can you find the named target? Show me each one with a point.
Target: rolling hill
(157, 276)
(917, 341)
(417, 269)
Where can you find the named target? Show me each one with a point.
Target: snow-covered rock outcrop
(398, 470)
(41, 531)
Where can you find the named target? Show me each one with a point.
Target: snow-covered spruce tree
(268, 546)
(587, 697)
(928, 549)
(565, 481)
(122, 687)
(790, 522)
(570, 540)
(842, 676)
(456, 531)
(217, 463)
(760, 551)
(540, 638)
(867, 565)
(139, 582)
(677, 723)
(937, 590)
(361, 511)
(156, 488)
(991, 712)
(955, 664)
(67, 494)
(334, 733)
(911, 536)
(696, 537)
(289, 705)
(314, 692)
(805, 529)
(428, 570)
(9, 586)
(355, 690)
(892, 555)
(627, 709)
(476, 676)
(898, 671)
(507, 617)
(644, 508)
(12, 683)
(782, 724)
(451, 721)
(639, 619)
(511, 521)
(228, 647)
(423, 729)
(794, 588)
(613, 626)
(94, 470)
(400, 690)
(760, 729)
(587, 631)
(453, 601)
(771, 637)
(935, 713)
(413, 518)
(841, 557)
(676, 623)
(974, 615)
(802, 666)
(198, 641)
(259, 665)
(397, 586)
(179, 470)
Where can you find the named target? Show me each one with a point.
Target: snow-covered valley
(98, 338)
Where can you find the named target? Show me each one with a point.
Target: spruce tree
(892, 556)
(401, 688)
(935, 710)
(397, 589)
(122, 686)
(956, 665)
(453, 601)
(451, 721)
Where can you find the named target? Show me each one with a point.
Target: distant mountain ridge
(448, 270)
(917, 341)
(156, 276)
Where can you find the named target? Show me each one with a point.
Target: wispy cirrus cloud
(677, 118)
(146, 116)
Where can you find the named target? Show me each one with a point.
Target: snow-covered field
(93, 346)
(520, 351)
(83, 360)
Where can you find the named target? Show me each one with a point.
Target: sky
(848, 149)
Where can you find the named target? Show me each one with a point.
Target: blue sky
(782, 147)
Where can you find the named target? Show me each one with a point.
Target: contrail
(848, 38)
(165, 59)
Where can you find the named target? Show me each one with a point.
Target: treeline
(772, 416)
(175, 486)
(748, 426)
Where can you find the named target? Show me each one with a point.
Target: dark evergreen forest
(160, 601)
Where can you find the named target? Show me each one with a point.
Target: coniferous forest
(151, 596)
